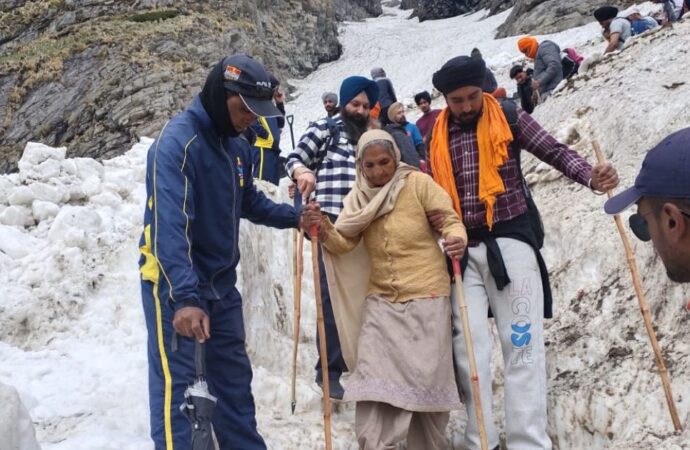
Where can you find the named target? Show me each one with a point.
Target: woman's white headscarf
(366, 203)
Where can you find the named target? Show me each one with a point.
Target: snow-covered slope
(605, 390)
(73, 336)
(410, 52)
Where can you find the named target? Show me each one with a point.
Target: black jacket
(408, 152)
(525, 92)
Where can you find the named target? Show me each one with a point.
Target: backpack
(408, 152)
(570, 62)
(509, 108)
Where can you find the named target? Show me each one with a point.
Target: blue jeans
(336, 363)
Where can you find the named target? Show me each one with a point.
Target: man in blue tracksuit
(199, 184)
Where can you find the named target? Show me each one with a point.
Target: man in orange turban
(548, 71)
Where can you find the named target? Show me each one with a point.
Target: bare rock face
(97, 75)
(356, 9)
(497, 6)
(441, 9)
(409, 4)
(550, 16)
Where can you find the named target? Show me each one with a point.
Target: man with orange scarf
(470, 156)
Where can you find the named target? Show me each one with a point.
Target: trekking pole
(290, 120)
(313, 232)
(297, 264)
(644, 308)
(298, 267)
(474, 377)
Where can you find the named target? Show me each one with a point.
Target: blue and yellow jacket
(267, 133)
(199, 184)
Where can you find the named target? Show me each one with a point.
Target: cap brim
(622, 201)
(264, 108)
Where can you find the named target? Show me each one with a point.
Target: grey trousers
(380, 426)
(519, 314)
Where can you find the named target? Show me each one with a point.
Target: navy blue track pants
(229, 375)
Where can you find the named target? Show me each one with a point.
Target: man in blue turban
(323, 163)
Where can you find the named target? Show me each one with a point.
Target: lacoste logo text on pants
(521, 324)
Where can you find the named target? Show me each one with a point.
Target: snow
(16, 427)
(73, 341)
(410, 52)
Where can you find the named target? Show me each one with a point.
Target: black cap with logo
(245, 76)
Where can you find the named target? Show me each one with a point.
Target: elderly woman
(393, 297)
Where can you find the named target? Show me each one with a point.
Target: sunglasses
(638, 225)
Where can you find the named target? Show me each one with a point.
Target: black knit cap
(458, 72)
(605, 13)
(514, 71)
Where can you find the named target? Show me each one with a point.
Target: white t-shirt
(678, 8)
(622, 27)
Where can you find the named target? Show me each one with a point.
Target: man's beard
(355, 124)
(468, 121)
(681, 276)
(677, 272)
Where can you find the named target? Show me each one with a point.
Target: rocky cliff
(551, 16)
(95, 75)
(441, 9)
(527, 16)
(356, 9)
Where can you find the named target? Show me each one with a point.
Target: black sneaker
(336, 389)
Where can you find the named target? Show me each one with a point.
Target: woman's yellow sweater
(406, 261)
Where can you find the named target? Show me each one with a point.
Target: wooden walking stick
(321, 329)
(663, 372)
(298, 267)
(474, 377)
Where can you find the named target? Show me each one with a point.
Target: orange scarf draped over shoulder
(493, 137)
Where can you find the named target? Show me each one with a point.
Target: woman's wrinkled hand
(311, 216)
(454, 246)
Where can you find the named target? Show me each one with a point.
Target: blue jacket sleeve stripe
(184, 204)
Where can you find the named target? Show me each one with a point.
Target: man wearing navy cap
(662, 195)
(198, 185)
